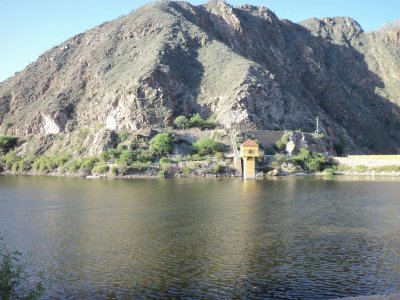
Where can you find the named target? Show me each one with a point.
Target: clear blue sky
(30, 27)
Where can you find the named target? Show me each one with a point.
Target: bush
(218, 169)
(197, 121)
(13, 282)
(114, 170)
(311, 161)
(7, 143)
(122, 169)
(9, 160)
(182, 122)
(73, 165)
(167, 170)
(143, 155)
(110, 154)
(100, 169)
(88, 164)
(123, 136)
(280, 146)
(195, 157)
(164, 160)
(126, 157)
(186, 171)
(139, 166)
(206, 146)
(42, 164)
(60, 159)
(161, 144)
(82, 164)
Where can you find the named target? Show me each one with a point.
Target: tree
(182, 122)
(205, 146)
(161, 144)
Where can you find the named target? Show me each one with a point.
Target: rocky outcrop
(241, 65)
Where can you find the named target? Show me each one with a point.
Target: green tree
(182, 122)
(205, 146)
(161, 144)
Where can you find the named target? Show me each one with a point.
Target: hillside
(239, 65)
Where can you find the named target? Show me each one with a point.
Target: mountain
(240, 65)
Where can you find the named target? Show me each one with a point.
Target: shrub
(219, 155)
(280, 146)
(110, 154)
(218, 169)
(197, 121)
(195, 157)
(121, 147)
(186, 171)
(123, 136)
(143, 155)
(310, 161)
(88, 164)
(205, 146)
(9, 160)
(126, 157)
(167, 170)
(60, 159)
(114, 170)
(139, 166)
(316, 163)
(122, 169)
(7, 143)
(42, 164)
(100, 169)
(13, 281)
(182, 122)
(164, 160)
(73, 165)
(161, 144)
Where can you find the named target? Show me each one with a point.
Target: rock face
(241, 65)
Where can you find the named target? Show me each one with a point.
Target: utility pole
(317, 121)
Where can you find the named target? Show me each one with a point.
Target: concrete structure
(370, 161)
(249, 151)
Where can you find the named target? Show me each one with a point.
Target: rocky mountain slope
(240, 65)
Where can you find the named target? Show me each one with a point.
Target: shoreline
(226, 175)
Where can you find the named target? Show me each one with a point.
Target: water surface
(290, 238)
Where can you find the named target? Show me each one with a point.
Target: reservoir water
(289, 238)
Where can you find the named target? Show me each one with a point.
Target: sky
(30, 27)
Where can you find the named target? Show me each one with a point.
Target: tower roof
(250, 143)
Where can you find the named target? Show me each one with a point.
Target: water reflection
(286, 238)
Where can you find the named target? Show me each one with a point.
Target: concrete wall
(370, 161)
(249, 168)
